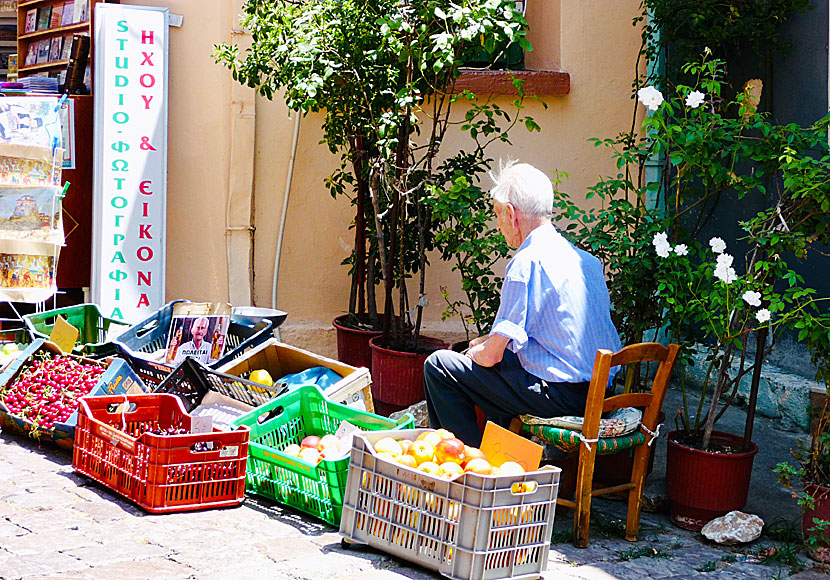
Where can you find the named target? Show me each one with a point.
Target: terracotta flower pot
(353, 343)
(819, 551)
(398, 377)
(703, 485)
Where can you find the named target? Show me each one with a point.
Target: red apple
(311, 441)
(451, 449)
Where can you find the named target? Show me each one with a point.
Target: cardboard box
(280, 359)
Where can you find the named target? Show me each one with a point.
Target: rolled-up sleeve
(511, 319)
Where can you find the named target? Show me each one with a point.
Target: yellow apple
(389, 445)
(422, 451)
(430, 437)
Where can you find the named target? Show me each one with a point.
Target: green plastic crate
(314, 489)
(92, 326)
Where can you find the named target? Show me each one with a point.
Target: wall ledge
(500, 82)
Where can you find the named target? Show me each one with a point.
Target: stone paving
(56, 523)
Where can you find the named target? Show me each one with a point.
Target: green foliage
(383, 72)
(682, 30)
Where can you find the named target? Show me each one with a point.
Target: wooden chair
(589, 444)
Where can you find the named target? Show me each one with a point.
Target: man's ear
(512, 215)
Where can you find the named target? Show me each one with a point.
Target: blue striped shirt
(555, 308)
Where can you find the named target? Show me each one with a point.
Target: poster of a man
(200, 337)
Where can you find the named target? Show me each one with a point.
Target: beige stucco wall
(597, 47)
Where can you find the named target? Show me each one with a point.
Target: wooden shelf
(28, 3)
(43, 66)
(77, 27)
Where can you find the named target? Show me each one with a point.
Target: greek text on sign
(130, 160)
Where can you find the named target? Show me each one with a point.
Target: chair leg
(582, 496)
(635, 495)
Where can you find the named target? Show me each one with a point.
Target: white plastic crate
(475, 527)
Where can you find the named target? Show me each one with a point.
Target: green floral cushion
(617, 423)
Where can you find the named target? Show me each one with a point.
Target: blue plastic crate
(151, 334)
(117, 379)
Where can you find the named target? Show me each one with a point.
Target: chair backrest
(651, 401)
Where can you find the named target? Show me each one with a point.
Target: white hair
(523, 186)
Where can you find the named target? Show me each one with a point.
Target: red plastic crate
(160, 473)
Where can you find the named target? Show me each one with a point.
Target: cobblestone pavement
(56, 523)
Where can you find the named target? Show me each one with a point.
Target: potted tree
(812, 469)
(713, 305)
(384, 73)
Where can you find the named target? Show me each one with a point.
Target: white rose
(650, 97)
(695, 99)
(717, 245)
(681, 249)
(762, 315)
(752, 298)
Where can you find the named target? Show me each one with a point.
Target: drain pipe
(289, 176)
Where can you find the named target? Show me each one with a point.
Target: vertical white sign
(130, 172)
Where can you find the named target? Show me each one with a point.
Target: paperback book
(55, 49)
(81, 11)
(57, 12)
(31, 21)
(43, 47)
(44, 17)
(68, 14)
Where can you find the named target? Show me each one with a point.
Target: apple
(479, 465)
(451, 470)
(405, 443)
(382, 455)
(511, 468)
(471, 453)
(328, 441)
(293, 450)
(310, 454)
(390, 446)
(407, 460)
(422, 451)
(444, 434)
(311, 441)
(430, 437)
(430, 467)
(451, 449)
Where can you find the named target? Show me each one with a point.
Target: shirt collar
(545, 230)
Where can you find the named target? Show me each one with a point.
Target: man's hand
(479, 339)
(489, 351)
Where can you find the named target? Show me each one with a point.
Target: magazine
(67, 47)
(68, 15)
(81, 12)
(44, 17)
(198, 330)
(55, 49)
(43, 51)
(57, 12)
(31, 21)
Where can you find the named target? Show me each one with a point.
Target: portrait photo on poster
(197, 336)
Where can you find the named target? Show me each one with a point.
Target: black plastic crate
(191, 381)
(150, 335)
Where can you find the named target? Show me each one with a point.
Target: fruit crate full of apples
(477, 521)
(148, 449)
(299, 449)
(40, 390)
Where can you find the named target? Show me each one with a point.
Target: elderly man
(553, 316)
(197, 346)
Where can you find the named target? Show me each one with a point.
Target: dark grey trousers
(455, 385)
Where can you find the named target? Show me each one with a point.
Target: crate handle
(275, 412)
(212, 446)
(523, 487)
